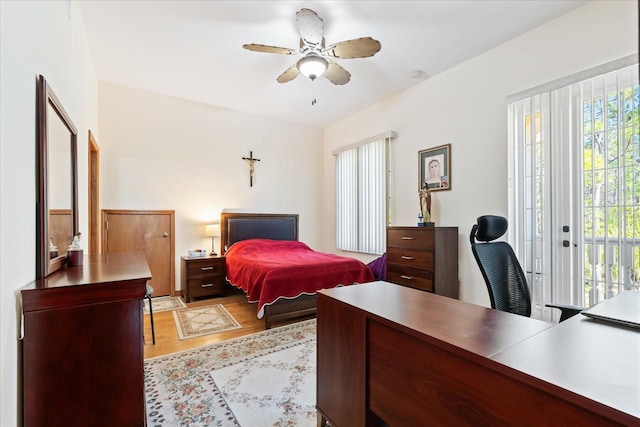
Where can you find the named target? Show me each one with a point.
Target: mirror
(58, 182)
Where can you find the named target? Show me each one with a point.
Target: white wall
(37, 37)
(158, 152)
(466, 107)
(162, 153)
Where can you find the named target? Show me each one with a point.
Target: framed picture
(434, 165)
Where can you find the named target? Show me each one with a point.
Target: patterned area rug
(210, 319)
(164, 304)
(180, 389)
(278, 389)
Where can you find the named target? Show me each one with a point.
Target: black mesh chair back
(506, 282)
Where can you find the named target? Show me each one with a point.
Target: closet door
(149, 231)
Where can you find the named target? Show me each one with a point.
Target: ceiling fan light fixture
(312, 66)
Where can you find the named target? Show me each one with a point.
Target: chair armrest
(567, 311)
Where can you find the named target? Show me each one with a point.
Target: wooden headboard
(236, 226)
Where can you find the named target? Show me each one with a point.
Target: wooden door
(60, 230)
(147, 231)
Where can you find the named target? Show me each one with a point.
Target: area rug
(164, 304)
(181, 391)
(210, 319)
(278, 389)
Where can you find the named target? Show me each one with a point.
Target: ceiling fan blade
(336, 74)
(356, 48)
(310, 26)
(269, 49)
(289, 74)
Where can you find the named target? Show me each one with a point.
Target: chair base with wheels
(148, 296)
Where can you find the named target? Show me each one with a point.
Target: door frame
(172, 217)
(94, 195)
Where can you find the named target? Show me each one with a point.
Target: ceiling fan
(316, 60)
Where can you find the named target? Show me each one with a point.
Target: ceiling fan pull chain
(313, 95)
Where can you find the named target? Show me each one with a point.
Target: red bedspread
(267, 270)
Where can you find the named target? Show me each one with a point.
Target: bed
(278, 272)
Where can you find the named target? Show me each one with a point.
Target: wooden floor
(167, 340)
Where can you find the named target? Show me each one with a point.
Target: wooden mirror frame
(46, 97)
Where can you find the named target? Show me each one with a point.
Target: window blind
(362, 191)
(575, 186)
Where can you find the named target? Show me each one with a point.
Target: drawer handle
(407, 277)
(408, 238)
(207, 285)
(410, 258)
(206, 268)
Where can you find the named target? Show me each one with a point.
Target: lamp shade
(312, 65)
(212, 230)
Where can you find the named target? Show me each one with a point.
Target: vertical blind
(575, 150)
(362, 191)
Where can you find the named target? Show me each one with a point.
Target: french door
(575, 189)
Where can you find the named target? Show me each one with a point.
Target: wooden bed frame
(236, 226)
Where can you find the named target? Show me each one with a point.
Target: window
(575, 193)
(362, 192)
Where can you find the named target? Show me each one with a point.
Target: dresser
(202, 277)
(82, 344)
(424, 258)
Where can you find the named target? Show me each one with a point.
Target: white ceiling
(193, 49)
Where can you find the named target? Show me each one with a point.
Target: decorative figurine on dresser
(202, 276)
(424, 217)
(424, 258)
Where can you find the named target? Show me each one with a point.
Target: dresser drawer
(411, 258)
(206, 267)
(206, 286)
(410, 238)
(419, 279)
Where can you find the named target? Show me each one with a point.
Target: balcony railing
(610, 266)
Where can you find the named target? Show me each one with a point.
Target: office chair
(148, 296)
(506, 282)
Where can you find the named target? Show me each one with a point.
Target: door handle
(165, 234)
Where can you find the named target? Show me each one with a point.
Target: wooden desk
(387, 352)
(82, 350)
(598, 361)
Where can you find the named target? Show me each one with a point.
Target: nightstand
(202, 277)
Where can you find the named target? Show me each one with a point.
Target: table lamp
(213, 231)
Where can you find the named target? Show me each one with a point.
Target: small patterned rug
(180, 390)
(160, 304)
(210, 319)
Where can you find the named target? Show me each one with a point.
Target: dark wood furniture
(395, 354)
(236, 226)
(82, 348)
(57, 151)
(424, 258)
(202, 277)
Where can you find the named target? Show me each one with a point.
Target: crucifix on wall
(251, 161)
